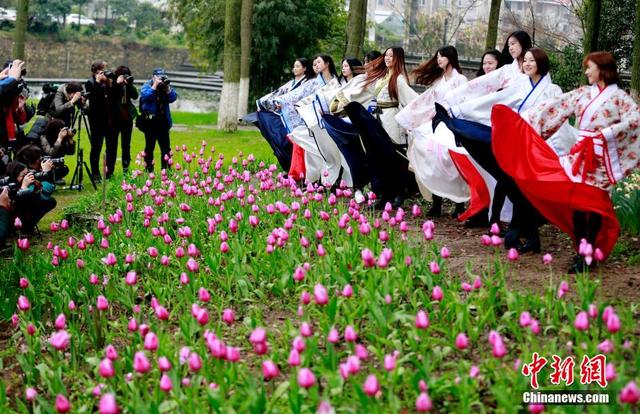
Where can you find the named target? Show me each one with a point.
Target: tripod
(80, 118)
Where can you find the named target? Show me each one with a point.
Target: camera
(164, 79)
(13, 187)
(55, 161)
(10, 65)
(48, 88)
(85, 95)
(39, 175)
(109, 74)
(128, 79)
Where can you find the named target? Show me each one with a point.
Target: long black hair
(308, 67)
(328, 60)
(429, 72)
(493, 52)
(525, 42)
(371, 56)
(355, 65)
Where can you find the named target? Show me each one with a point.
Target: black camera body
(48, 88)
(39, 175)
(129, 79)
(110, 75)
(10, 65)
(165, 79)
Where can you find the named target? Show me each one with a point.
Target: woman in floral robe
(573, 190)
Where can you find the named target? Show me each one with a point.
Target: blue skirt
(274, 131)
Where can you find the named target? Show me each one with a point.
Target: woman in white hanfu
(573, 190)
(382, 137)
(323, 160)
(326, 71)
(435, 173)
(510, 69)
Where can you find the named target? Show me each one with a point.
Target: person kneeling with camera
(32, 198)
(57, 142)
(155, 118)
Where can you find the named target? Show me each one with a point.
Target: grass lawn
(189, 129)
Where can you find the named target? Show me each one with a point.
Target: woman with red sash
(572, 190)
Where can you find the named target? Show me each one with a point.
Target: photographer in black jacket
(64, 102)
(124, 112)
(99, 90)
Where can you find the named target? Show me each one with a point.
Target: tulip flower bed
(214, 288)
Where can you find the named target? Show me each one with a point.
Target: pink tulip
(105, 369)
(592, 311)
(495, 229)
(141, 363)
(610, 372)
(306, 379)
(150, 342)
(630, 394)
(582, 321)
(535, 408)
(298, 274)
(192, 265)
(228, 316)
(204, 295)
(165, 383)
(110, 260)
(462, 342)
(613, 323)
(368, 258)
(107, 404)
(62, 404)
(513, 255)
(535, 327)
(477, 283)
(298, 343)
(269, 370)
(347, 291)
(320, 294)
(259, 335)
(474, 371)
(437, 293)
(131, 278)
(434, 267)
(195, 363)
(371, 385)
(547, 259)
(163, 364)
(466, 287)
(422, 320)
(361, 352)
(305, 297)
(102, 304)
(24, 283)
(294, 358)
(61, 322)
(390, 362)
(350, 334)
(334, 336)
(525, 319)
(496, 240)
(23, 244)
(30, 394)
(60, 340)
(563, 289)
(423, 403)
(606, 346)
(305, 330)
(485, 240)
(23, 303)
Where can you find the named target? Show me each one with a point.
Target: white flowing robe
(519, 96)
(431, 163)
(323, 159)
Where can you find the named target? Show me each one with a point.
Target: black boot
(512, 239)
(531, 244)
(436, 208)
(458, 210)
(478, 220)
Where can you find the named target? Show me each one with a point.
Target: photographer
(57, 139)
(124, 112)
(13, 97)
(66, 98)
(155, 118)
(33, 198)
(99, 89)
(48, 169)
(6, 207)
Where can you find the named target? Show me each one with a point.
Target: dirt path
(619, 279)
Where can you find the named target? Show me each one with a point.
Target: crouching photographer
(30, 193)
(53, 167)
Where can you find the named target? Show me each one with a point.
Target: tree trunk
(635, 71)
(356, 24)
(228, 112)
(22, 14)
(246, 22)
(593, 26)
(492, 27)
